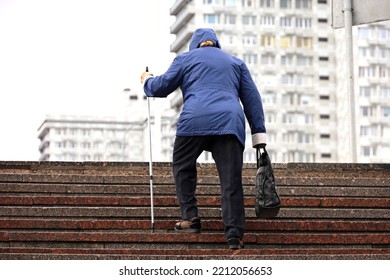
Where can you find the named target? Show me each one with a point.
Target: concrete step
(209, 240)
(169, 200)
(194, 254)
(173, 212)
(209, 225)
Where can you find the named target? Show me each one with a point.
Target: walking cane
(150, 165)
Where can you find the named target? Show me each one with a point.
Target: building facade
(124, 137)
(289, 49)
(298, 65)
(371, 48)
(67, 138)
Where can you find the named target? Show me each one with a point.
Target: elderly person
(218, 91)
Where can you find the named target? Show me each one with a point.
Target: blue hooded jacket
(212, 83)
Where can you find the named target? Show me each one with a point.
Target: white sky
(73, 57)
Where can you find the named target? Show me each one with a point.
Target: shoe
(235, 243)
(193, 225)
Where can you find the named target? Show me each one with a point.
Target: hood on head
(201, 35)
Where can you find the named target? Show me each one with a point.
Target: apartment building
(371, 47)
(75, 138)
(289, 48)
(124, 137)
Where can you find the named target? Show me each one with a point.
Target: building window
(366, 111)
(325, 136)
(285, 4)
(384, 34)
(303, 22)
(230, 19)
(98, 145)
(267, 59)
(250, 59)
(367, 52)
(247, 3)
(385, 92)
(228, 39)
(305, 99)
(368, 151)
(286, 41)
(386, 111)
(322, 20)
(288, 98)
(267, 41)
(385, 53)
(365, 91)
(286, 59)
(249, 39)
(85, 157)
(324, 116)
(249, 20)
(230, 2)
(366, 71)
(323, 58)
(287, 79)
(270, 118)
(304, 80)
(304, 42)
(98, 157)
(326, 155)
(86, 145)
(268, 98)
(267, 20)
(212, 2)
(324, 78)
(322, 39)
(304, 60)
(211, 19)
(285, 21)
(322, 1)
(303, 4)
(86, 132)
(305, 138)
(368, 131)
(267, 3)
(384, 72)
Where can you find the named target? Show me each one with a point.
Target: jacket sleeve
(162, 86)
(253, 107)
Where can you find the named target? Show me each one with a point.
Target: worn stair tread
(202, 180)
(161, 237)
(199, 252)
(133, 200)
(188, 256)
(297, 225)
(173, 212)
(136, 190)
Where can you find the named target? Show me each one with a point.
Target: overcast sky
(73, 57)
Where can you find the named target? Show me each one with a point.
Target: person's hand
(144, 75)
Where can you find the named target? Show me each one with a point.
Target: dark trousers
(227, 153)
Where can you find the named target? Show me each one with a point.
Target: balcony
(182, 19)
(182, 38)
(179, 4)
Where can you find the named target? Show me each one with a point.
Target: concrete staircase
(68, 210)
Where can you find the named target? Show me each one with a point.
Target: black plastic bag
(267, 200)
